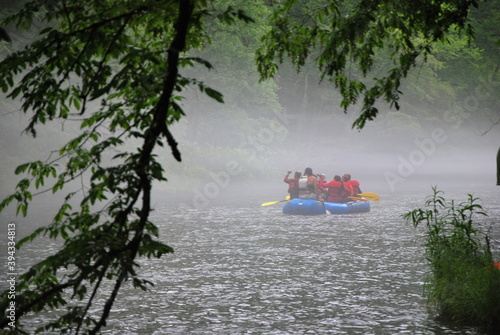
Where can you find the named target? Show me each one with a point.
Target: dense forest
(295, 119)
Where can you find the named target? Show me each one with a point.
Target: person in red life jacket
(322, 190)
(347, 190)
(293, 183)
(354, 184)
(334, 189)
(308, 185)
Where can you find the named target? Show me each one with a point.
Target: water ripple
(251, 270)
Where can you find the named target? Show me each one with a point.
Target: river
(239, 268)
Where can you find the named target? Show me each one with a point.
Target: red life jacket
(347, 192)
(293, 184)
(355, 186)
(335, 190)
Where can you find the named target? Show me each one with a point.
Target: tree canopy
(120, 69)
(352, 33)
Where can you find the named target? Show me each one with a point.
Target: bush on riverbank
(462, 283)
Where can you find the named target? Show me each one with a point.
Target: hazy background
(446, 132)
(385, 159)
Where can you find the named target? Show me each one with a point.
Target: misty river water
(239, 268)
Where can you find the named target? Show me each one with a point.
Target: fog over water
(384, 159)
(388, 161)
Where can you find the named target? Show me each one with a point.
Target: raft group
(313, 186)
(310, 194)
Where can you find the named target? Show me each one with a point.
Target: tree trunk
(498, 167)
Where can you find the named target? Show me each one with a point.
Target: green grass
(462, 284)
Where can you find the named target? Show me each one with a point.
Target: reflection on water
(252, 270)
(246, 269)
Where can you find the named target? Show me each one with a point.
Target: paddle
(370, 196)
(275, 202)
(359, 199)
(272, 202)
(322, 203)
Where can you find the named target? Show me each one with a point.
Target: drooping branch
(493, 124)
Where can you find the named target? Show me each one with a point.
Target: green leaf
(214, 94)
(22, 168)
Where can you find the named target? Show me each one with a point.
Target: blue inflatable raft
(315, 207)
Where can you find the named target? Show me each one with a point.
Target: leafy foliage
(463, 284)
(344, 37)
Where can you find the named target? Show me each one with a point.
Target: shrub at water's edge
(462, 283)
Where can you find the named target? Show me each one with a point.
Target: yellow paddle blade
(359, 199)
(275, 202)
(370, 196)
(271, 203)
